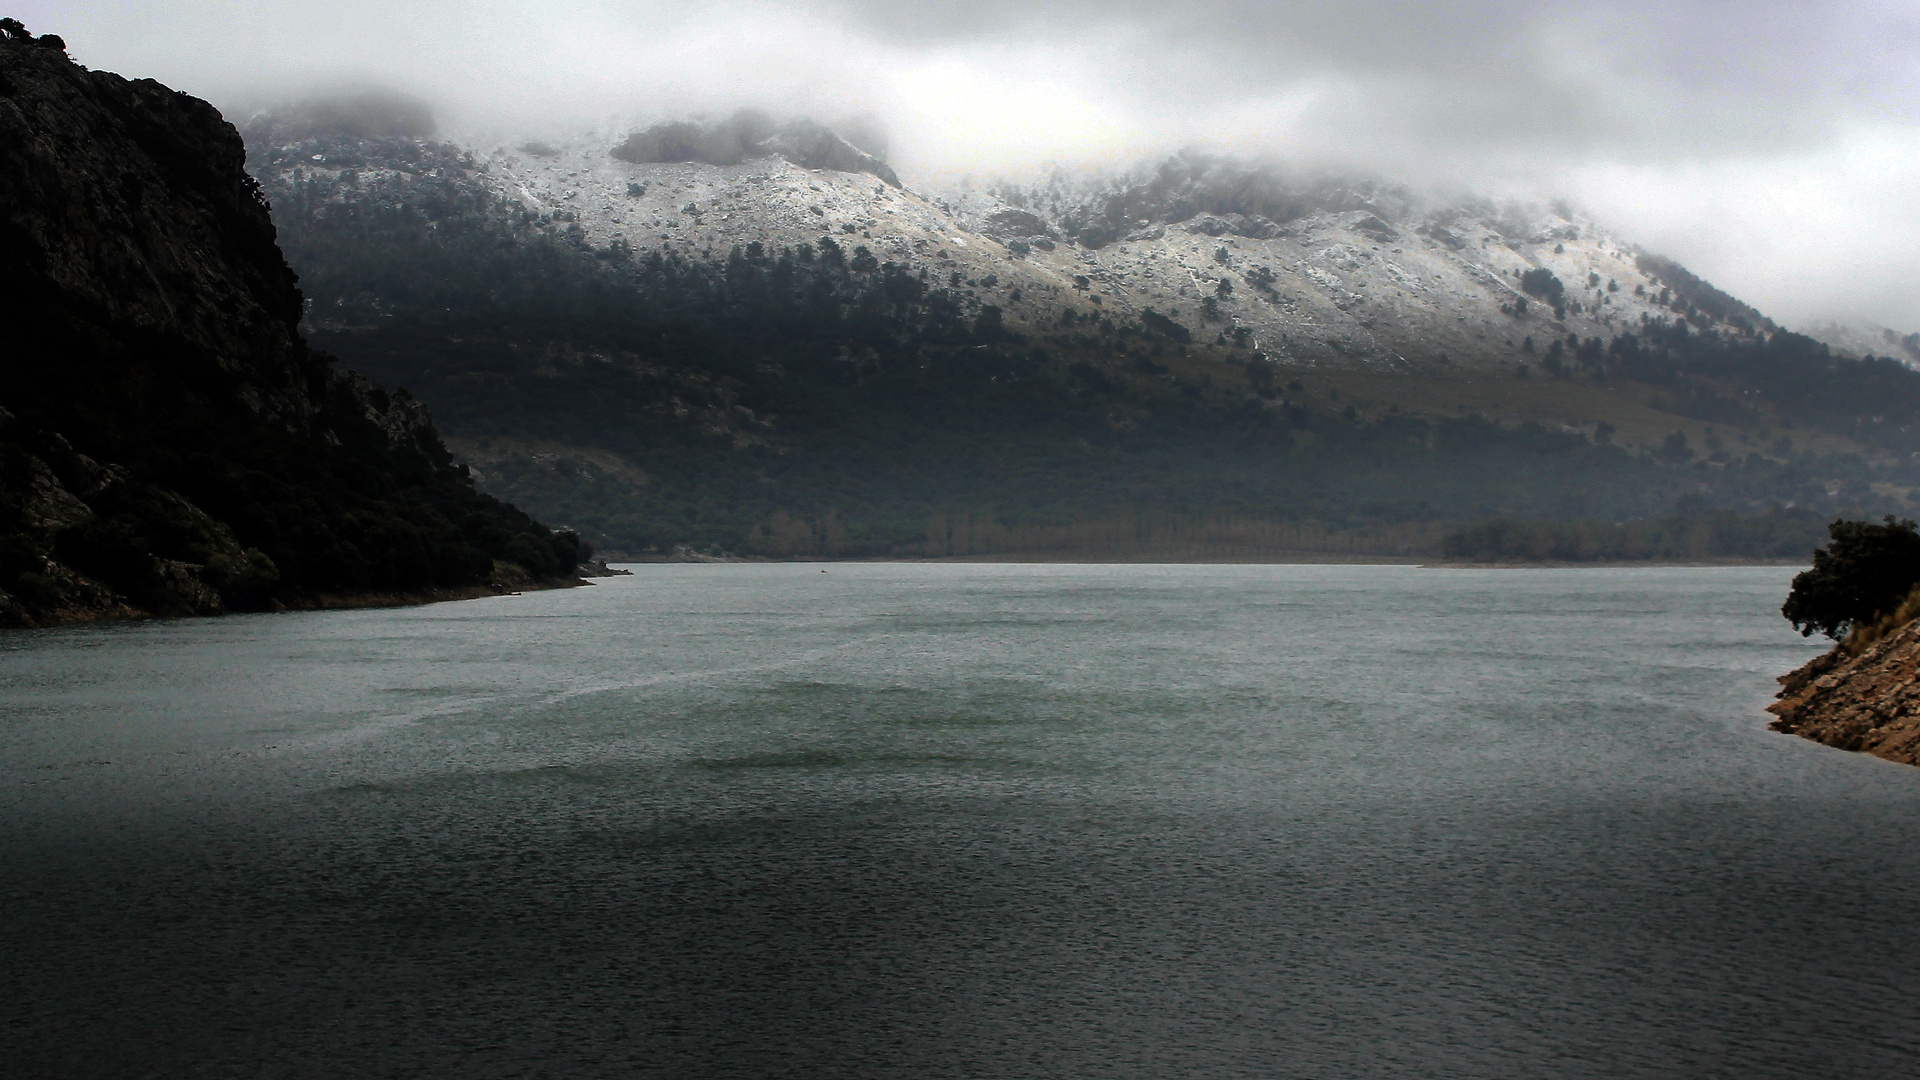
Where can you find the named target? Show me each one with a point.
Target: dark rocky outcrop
(748, 135)
(1206, 194)
(1010, 224)
(815, 146)
(1374, 228)
(168, 442)
(361, 114)
(1230, 224)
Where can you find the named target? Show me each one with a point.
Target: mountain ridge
(1316, 265)
(746, 312)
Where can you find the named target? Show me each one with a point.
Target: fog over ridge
(1773, 147)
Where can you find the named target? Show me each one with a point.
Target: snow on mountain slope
(1403, 283)
(1867, 339)
(1304, 269)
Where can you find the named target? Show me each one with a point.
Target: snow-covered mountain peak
(1256, 259)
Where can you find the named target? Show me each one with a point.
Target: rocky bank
(1869, 702)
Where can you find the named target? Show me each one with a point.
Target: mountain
(169, 444)
(1867, 339)
(751, 336)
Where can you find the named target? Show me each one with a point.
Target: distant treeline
(1724, 534)
(1725, 379)
(1688, 534)
(1054, 486)
(1143, 534)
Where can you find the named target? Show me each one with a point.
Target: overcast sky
(1772, 146)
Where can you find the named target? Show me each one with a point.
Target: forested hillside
(860, 393)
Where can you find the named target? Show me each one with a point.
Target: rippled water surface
(939, 820)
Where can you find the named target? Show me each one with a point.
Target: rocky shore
(1869, 703)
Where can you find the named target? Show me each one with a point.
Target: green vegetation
(727, 143)
(1690, 532)
(1862, 575)
(1745, 382)
(1863, 634)
(1688, 295)
(1541, 283)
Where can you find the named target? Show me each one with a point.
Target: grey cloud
(1763, 98)
(1639, 79)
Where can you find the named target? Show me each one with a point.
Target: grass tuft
(1863, 635)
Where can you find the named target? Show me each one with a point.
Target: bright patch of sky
(1771, 146)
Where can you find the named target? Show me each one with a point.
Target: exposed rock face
(1869, 703)
(1255, 227)
(748, 136)
(813, 146)
(1011, 224)
(1868, 339)
(367, 114)
(168, 442)
(128, 207)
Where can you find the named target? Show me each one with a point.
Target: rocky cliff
(168, 442)
(1869, 702)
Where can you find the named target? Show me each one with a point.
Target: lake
(937, 820)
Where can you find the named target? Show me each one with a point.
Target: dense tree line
(1725, 377)
(1691, 295)
(1688, 533)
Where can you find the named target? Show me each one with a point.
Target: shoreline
(367, 601)
(359, 601)
(1867, 703)
(313, 602)
(1277, 559)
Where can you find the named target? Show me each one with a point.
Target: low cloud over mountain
(1771, 146)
